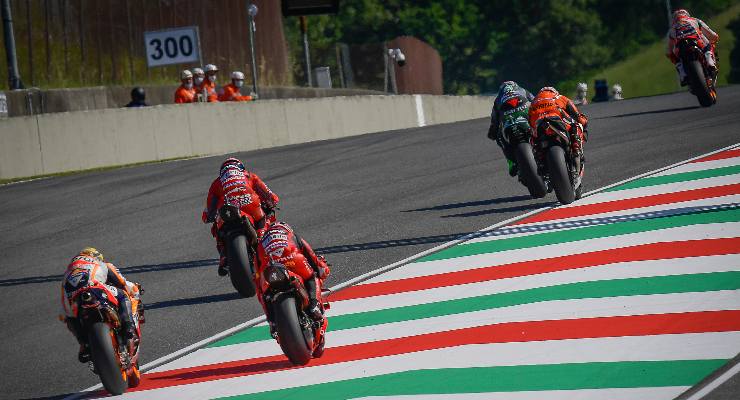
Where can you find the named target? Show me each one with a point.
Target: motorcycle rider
(231, 92)
(551, 105)
(509, 108)
(89, 268)
(684, 26)
(186, 92)
(237, 186)
(282, 246)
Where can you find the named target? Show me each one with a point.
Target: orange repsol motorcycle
(112, 359)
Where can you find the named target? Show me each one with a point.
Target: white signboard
(172, 46)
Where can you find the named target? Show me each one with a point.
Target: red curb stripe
(720, 156)
(637, 202)
(643, 252)
(638, 325)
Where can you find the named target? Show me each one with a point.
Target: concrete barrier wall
(60, 142)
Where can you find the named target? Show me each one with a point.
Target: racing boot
(223, 269)
(513, 168)
(313, 309)
(83, 355)
(682, 74)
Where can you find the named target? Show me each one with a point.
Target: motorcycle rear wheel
(559, 176)
(106, 361)
(290, 333)
(240, 267)
(698, 83)
(528, 170)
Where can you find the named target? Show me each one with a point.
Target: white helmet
(237, 75)
(186, 74)
(211, 68)
(198, 72)
(582, 87)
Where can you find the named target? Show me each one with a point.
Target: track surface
(366, 201)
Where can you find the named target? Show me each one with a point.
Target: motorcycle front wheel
(240, 267)
(290, 334)
(559, 176)
(105, 359)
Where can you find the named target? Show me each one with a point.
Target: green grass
(649, 72)
(66, 173)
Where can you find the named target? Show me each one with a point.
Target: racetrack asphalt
(364, 202)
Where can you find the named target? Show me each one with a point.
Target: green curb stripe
(680, 177)
(574, 376)
(704, 282)
(591, 232)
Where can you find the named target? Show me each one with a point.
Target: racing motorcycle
(562, 167)
(238, 233)
(701, 77)
(299, 336)
(112, 359)
(517, 135)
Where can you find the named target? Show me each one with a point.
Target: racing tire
(559, 176)
(104, 357)
(528, 170)
(240, 267)
(290, 334)
(698, 83)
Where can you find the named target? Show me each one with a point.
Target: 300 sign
(172, 46)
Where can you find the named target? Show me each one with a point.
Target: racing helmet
(507, 87)
(232, 162)
(92, 252)
(680, 14)
(550, 89)
(582, 87)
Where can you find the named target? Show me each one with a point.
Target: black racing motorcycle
(701, 77)
(517, 136)
(562, 167)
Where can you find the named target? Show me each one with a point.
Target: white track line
(255, 321)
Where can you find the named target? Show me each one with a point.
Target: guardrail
(61, 142)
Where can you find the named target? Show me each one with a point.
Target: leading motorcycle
(701, 77)
(562, 167)
(113, 359)
(285, 297)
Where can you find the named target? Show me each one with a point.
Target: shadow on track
(649, 112)
(390, 243)
(524, 207)
(138, 269)
(511, 199)
(244, 368)
(193, 300)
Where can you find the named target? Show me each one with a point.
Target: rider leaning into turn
(685, 26)
(509, 108)
(551, 105)
(282, 246)
(89, 268)
(237, 186)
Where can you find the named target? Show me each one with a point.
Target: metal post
(668, 9)
(385, 68)
(252, 31)
(306, 54)
(14, 79)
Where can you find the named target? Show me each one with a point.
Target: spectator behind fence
(232, 91)
(208, 87)
(186, 92)
(617, 92)
(138, 96)
(581, 94)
